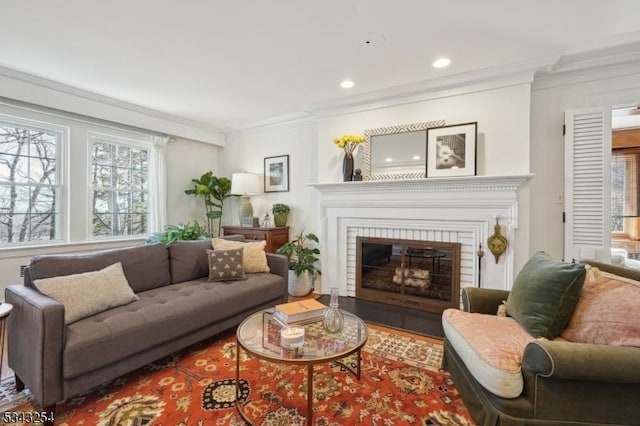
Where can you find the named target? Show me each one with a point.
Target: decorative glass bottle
(333, 320)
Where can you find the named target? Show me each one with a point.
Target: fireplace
(461, 210)
(418, 274)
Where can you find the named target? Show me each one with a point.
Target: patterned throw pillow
(225, 265)
(254, 255)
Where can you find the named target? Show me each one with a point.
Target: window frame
(94, 137)
(61, 177)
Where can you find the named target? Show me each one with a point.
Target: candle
(292, 337)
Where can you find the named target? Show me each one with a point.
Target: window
(624, 187)
(119, 187)
(29, 182)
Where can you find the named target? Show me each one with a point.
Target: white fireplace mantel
(460, 209)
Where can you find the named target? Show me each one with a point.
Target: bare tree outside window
(29, 188)
(120, 195)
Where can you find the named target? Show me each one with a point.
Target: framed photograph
(276, 174)
(451, 150)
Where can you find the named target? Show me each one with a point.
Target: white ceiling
(232, 63)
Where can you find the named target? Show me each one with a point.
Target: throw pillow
(225, 265)
(544, 295)
(254, 257)
(88, 293)
(598, 317)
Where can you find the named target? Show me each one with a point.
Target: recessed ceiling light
(416, 157)
(388, 160)
(441, 62)
(346, 84)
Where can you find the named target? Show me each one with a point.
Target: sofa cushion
(491, 348)
(225, 265)
(188, 260)
(254, 255)
(161, 314)
(145, 266)
(88, 293)
(607, 313)
(544, 295)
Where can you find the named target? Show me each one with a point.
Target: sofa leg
(19, 383)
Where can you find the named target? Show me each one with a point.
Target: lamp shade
(245, 184)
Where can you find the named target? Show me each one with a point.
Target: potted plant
(280, 214)
(214, 190)
(181, 232)
(303, 257)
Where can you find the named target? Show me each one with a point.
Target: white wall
(245, 152)
(550, 98)
(186, 160)
(503, 128)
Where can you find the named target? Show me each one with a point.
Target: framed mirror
(396, 152)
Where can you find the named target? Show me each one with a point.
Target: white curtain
(158, 183)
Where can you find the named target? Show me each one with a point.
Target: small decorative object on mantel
(357, 175)
(349, 144)
(497, 243)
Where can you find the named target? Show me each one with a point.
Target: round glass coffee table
(259, 335)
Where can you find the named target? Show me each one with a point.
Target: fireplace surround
(459, 210)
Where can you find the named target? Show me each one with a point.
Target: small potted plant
(302, 262)
(280, 214)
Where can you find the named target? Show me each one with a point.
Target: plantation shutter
(588, 184)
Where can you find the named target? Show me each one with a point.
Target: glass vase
(333, 320)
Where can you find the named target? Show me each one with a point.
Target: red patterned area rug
(401, 384)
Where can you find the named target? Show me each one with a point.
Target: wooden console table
(275, 237)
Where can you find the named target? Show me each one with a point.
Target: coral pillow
(607, 313)
(254, 255)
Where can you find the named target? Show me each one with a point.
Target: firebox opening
(417, 274)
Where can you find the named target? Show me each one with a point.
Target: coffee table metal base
(239, 404)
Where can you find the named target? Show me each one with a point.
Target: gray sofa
(177, 307)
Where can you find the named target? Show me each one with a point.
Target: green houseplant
(214, 190)
(303, 256)
(280, 214)
(181, 232)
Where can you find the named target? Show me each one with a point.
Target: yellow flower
(348, 142)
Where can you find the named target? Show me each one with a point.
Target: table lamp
(245, 185)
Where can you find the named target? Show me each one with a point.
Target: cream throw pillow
(254, 255)
(88, 293)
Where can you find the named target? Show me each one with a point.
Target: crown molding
(581, 67)
(32, 89)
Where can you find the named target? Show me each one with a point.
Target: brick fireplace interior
(417, 274)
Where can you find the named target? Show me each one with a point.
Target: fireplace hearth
(418, 274)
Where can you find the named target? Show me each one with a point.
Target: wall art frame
(451, 150)
(276, 173)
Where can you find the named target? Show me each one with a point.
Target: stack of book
(306, 310)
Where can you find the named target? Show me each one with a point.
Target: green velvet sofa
(565, 383)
